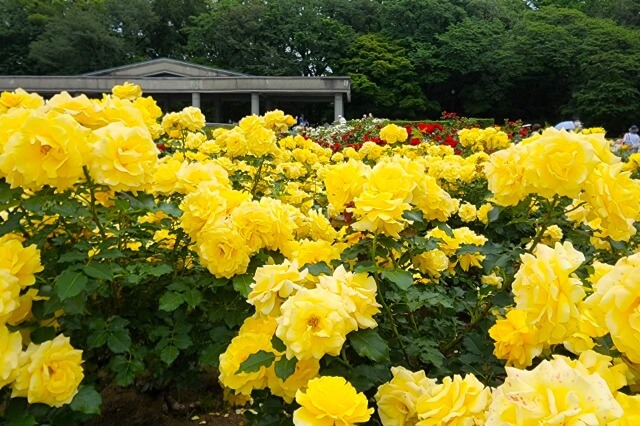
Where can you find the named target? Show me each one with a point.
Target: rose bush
(387, 280)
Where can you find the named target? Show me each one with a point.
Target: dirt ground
(133, 408)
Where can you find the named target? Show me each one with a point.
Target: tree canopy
(539, 60)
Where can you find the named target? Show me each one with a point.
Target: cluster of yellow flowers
(49, 372)
(575, 165)
(488, 139)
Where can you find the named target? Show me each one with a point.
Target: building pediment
(164, 67)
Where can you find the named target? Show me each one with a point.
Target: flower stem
(92, 193)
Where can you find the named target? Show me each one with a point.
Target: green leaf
(320, 268)
(16, 413)
(368, 343)
(193, 297)
(98, 338)
(101, 271)
(11, 224)
(159, 270)
(43, 334)
(170, 301)
(413, 215)
(242, 284)
(255, 361)
(70, 283)
(119, 340)
(399, 277)
(87, 400)
(278, 344)
(182, 341)
(168, 354)
(493, 214)
(72, 256)
(284, 367)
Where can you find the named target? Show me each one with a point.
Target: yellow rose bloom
(431, 262)
(344, 182)
(21, 262)
(278, 121)
(379, 213)
(9, 292)
(456, 401)
(127, 91)
(330, 401)
(467, 212)
(23, 311)
(505, 173)
(615, 304)
(391, 177)
(492, 279)
(358, 290)
(273, 284)
(614, 374)
(124, 158)
(516, 341)
(314, 323)
(56, 148)
(87, 112)
(49, 373)
(164, 179)
(222, 250)
(259, 139)
(201, 207)
(305, 370)
(19, 99)
(10, 351)
(191, 119)
(312, 252)
(434, 202)
(191, 175)
(613, 202)
(559, 163)
(253, 222)
(631, 406)
(397, 398)
(553, 393)
(319, 226)
(545, 288)
(237, 352)
(392, 133)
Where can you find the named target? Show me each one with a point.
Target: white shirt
(631, 139)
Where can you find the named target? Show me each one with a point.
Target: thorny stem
(256, 178)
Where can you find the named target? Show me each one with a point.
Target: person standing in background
(631, 139)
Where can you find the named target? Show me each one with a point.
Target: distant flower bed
(432, 273)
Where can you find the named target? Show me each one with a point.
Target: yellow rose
(467, 212)
(23, 311)
(222, 250)
(614, 374)
(631, 406)
(56, 148)
(319, 226)
(49, 373)
(237, 352)
(391, 177)
(397, 398)
(201, 207)
(553, 393)
(359, 290)
(278, 121)
(379, 213)
(9, 292)
(615, 303)
(87, 112)
(330, 401)
(124, 158)
(305, 370)
(456, 400)
(21, 262)
(127, 91)
(283, 225)
(191, 175)
(10, 351)
(314, 323)
(434, 202)
(515, 340)
(559, 163)
(253, 221)
(164, 179)
(392, 133)
(545, 288)
(273, 284)
(505, 173)
(344, 182)
(19, 99)
(191, 119)
(431, 262)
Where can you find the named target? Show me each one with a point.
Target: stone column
(195, 99)
(255, 103)
(338, 108)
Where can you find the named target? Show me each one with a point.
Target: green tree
(134, 22)
(383, 80)
(78, 40)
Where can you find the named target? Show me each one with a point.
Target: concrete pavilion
(176, 84)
